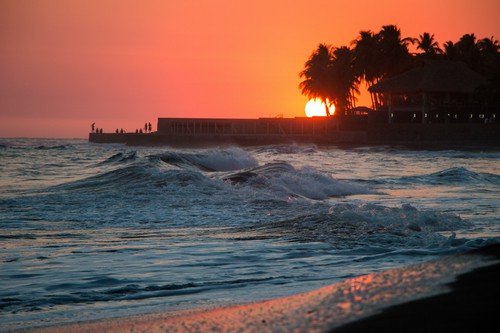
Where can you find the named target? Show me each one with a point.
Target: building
(436, 92)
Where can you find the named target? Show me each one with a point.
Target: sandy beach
(456, 290)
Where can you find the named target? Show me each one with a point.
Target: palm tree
(345, 81)
(468, 51)
(428, 45)
(367, 57)
(317, 81)
(394, 50)
(450, 51)
(488, 45)
(490, 60)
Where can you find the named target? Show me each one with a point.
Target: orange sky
(65, 64)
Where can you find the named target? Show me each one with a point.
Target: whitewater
(92, 231)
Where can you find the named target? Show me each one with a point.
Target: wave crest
(212, 160)
(288, 149)
(283, 179)
(453, 176)
(120, 158)
(370, 225)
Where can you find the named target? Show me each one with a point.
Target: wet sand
(456, 292)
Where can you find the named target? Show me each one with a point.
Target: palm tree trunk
(327, 109)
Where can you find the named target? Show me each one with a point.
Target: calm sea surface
(95, 231)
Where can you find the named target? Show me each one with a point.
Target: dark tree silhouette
(428, 45)
(344, 78)
(450, 51)
(468, 51)
(394, 50)
(330, 75)
(317, 75)
(490, 61)
(333, 74)
(488, 46)
(367, 57)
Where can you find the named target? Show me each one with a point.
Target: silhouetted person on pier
(136, 131)
(122, 131)
(140, 131)
(117, 131)
(100, 130)
(145, 127)
(93, 127)
(149, 127)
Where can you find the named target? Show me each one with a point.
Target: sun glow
(316, 108)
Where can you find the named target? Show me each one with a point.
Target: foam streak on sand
(321, 310)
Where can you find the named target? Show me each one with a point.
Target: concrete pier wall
(185, 132)
(108, 137)
(300, 126)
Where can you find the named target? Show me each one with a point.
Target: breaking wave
(275, 180)
(135, 178)
(282, 178)
(456, 175)
(349, 226)
(287, 149)
(120, 158)
(212, 160)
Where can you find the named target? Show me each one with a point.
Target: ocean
(93, 231)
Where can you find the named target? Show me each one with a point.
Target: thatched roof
(433, 76)
(362, 109)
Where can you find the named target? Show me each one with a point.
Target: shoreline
(428, 295)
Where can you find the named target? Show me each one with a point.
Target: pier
(202, 132)
(192, 132)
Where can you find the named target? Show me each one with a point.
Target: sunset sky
(67, 63)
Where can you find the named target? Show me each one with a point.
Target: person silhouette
(145, 127)
(149, 127)
(93, 127)
(140, 131)
(100, 130)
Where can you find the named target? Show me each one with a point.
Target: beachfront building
(436, 92)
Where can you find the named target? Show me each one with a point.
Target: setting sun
(316, 108)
